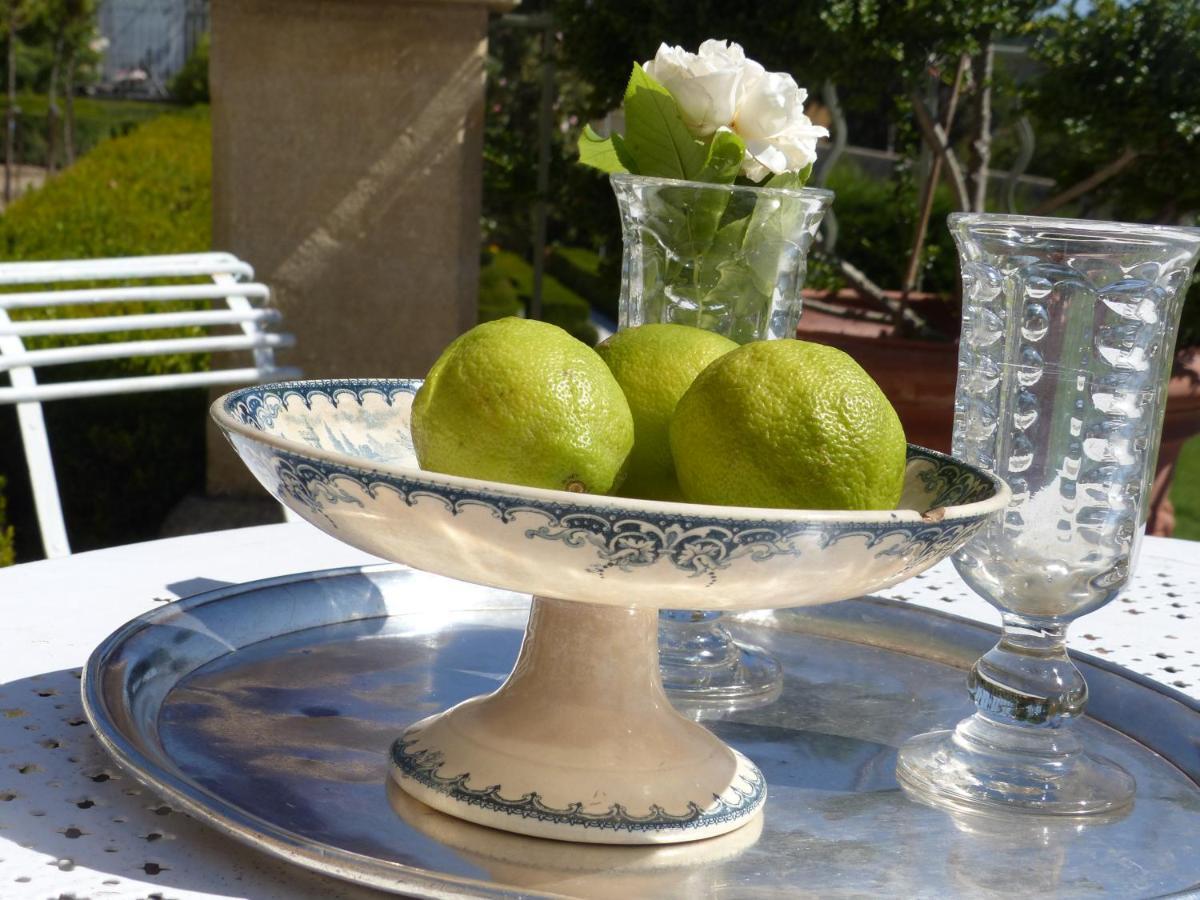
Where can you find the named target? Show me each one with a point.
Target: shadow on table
(190, 586)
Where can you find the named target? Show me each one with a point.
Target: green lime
(655, 365)
(523, 402)
(788, 424)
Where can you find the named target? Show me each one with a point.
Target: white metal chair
(219, 278)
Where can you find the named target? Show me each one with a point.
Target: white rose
(770, 119)
(706, 85)
(720, 88)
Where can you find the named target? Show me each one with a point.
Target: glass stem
(1027, 678)
(695, 638)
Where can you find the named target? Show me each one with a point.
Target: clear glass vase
(729, 259)
(1067, 343)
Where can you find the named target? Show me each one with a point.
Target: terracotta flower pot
(919, 378)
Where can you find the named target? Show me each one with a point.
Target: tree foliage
(602, 40)
(190, 84)
(898, 42)
(50, 29)
(515, 58)
(1107, 76)
(1123, 76)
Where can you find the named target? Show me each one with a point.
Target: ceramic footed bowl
(580, 743)
(339, 453)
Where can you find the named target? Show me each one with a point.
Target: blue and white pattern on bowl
(339, 453)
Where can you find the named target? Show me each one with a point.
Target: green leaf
(771, 234)
(657, 139)
(790, 180)
(727, 242)
(623, 153)
(599, 153)
(725, 154)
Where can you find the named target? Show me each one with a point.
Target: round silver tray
(266, 710)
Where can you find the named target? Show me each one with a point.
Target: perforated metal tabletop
(72, 825)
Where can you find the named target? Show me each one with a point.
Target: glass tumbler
(1067, 344)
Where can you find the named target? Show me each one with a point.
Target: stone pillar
(347, 156)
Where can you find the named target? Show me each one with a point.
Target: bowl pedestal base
(580, 743)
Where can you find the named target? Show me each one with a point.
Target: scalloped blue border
(422, 766)
(700, 545)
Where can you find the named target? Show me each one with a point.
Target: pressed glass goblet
(729, 259)
(1067, 343)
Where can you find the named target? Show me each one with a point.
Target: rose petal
(669, 62)
(723, 54)
(769, 106)
(767, 154)
(718, 87)
(706, 101)
(753, 170)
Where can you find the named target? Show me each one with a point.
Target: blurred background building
(148, 42)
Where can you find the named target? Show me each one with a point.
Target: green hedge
(596, 280)
(506, 286)
(1185, 492)
(190, 84)
(96, 120)
(6, 532)
(147, 192)
(122, 462)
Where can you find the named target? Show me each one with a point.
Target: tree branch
(1026, 142)
(1090, 183)
(927, 192)
(897, 309)
(69, 109)
(847, 312)
(829, 94)
(839, 137)
(935, 136)
(981, 143)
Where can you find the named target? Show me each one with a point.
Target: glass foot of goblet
(702, 665)
(986, 766)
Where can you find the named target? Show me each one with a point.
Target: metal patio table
(73, 825)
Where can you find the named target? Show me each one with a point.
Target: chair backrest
(219, 280)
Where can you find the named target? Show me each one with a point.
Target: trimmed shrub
(147, 192)
(122, 462)
(96, 120)
(506, 286)
(498, 295)
(190, 84)
(595, 279)
(6, 532)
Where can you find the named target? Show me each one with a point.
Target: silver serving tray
(267, 709)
